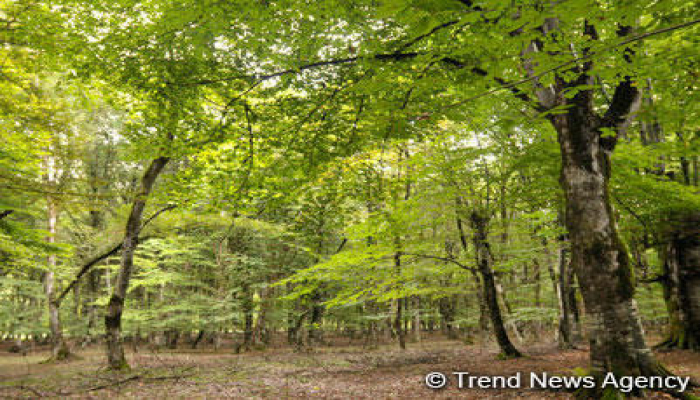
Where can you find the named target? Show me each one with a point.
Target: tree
(561, 60)
(115, 348)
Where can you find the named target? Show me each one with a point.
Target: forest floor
(348, 372)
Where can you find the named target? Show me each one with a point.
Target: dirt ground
(327, 373)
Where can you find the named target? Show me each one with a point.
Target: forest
(350, 199)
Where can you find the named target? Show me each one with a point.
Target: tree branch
(446, 259)
(575, 60)
(396, 56)
(625, 99)
(86, 267)
(425, 35)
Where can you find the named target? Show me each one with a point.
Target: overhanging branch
(112, 251)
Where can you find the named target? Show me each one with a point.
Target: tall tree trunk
(483, 261)
(681, 281)
(113, 317)
(598, 256)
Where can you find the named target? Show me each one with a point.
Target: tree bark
(598, 255)
(681, 281)
(483, 261)
(113, 318)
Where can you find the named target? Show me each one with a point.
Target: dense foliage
(328, 167)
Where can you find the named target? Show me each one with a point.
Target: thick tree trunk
(113, 317)
(681, 261)
(483, 260)
(598, 257)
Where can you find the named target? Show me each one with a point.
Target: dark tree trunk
(598, 256)
(681, 281)
(483, 261)
(113, 316)
(198, 339)
(317, 309)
